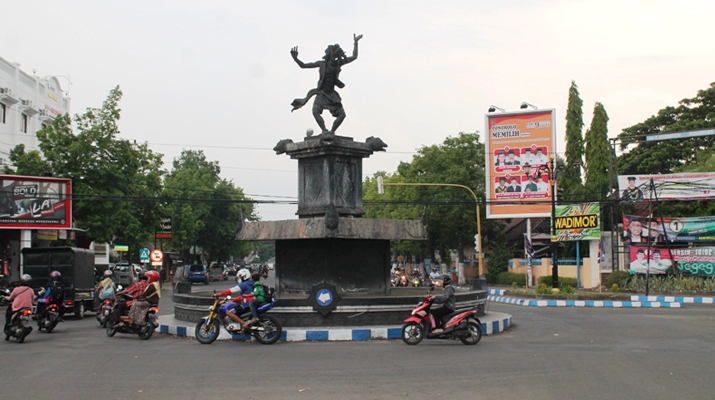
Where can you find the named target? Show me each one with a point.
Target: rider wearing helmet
(448, 303)
(54, 294)
(135, 291)
(244, 286)
(150, 297)
(106, 288)
(22, 296)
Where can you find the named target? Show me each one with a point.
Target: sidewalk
(492, 323)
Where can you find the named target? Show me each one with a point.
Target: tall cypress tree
(571, 182)
(597, 171)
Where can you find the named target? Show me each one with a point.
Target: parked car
(197, 273)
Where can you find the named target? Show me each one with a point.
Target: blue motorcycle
(266, 331)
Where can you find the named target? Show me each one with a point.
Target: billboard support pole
(650, 218)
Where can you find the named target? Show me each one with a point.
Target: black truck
(78, 275)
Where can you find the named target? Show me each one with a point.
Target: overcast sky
(217, 75)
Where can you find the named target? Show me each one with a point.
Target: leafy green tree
(458, 160)
(597, 168)
(669, 156)
(571, 183)
(113, 181)
(205, 209)
(28, 164)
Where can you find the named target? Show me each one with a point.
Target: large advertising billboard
(697, 261)
(35, 202)
(577, 222)
(694, 229)
(683, 186)
(513, 141)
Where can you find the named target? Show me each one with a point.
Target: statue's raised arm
(352, 58)
(294, 54)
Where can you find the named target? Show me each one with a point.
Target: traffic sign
(121, 248)
(156, 255)
(144, 255)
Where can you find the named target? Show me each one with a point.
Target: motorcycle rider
(244, 286)
(106, 288)
(260, 297)
(447, 300)
(434, 274)
(22, 296)
(135, 290)
(150, 297)
(54, 294)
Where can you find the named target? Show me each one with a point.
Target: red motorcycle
(462, 324)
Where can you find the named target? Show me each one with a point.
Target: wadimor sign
(577, 222)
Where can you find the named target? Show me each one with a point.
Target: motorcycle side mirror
(119, 288)
(228, 297)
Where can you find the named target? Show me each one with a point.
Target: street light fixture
(525, 105)
(493, 108)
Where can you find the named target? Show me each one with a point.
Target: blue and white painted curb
(676, 299)
(498, 292)
(492, 324)
(584, 303)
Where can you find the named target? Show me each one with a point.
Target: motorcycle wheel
(50, 327)
(271, 332)
(475, 333)
(207, 331)
(110, 330)
(412, 333)
(21, 338)
(146, 331)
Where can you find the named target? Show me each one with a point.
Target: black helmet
(143, 277)
(55, 276)
(447, 280)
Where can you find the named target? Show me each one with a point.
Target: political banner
(35, 202)
(676, 230)
(517, 142)
(696, 261)
(577, 222)
(683, 186)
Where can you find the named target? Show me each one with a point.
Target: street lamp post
(550, 170)
(380, 190)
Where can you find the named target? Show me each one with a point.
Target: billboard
(693, 229)
(513, 141)
(697, 261)
(683, 186)
(577, 222)
(35, 202)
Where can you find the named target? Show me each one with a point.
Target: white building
(27, 103)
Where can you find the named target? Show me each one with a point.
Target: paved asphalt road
(564, 353)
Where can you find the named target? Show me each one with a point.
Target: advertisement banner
(699, 261)
(35, 202)
(577, 222)
(683, 186)
(515, 140)
(676, 230)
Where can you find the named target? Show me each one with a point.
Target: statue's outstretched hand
(357, 37)
(294, 51)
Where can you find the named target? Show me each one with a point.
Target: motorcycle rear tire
(111, 331)
(475, 331)
(209, 337)
(147, 331)
(52, 326)
(272, 330)
(408, 333)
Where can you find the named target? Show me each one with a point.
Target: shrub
(615, 288)
(619, 278)
(510, 278)
(514, 285)
(544, 289)
(567, 289)
(563, 281)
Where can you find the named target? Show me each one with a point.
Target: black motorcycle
(145, 331)
(104, 310)
(19, 326)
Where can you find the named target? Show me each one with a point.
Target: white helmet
(25, 278)
(107, 273)
(243, 275)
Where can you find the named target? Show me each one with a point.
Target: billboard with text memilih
(514, 140)
(35, 202)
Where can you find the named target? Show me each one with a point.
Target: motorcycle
(49, 317)
(19, 324)
(266, 331)
(144, 331)
(462, 324)
(103, 312)
(264, 271)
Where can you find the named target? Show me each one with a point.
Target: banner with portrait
(695, 261)
(675, 230)
(518, 142)
(683, 186)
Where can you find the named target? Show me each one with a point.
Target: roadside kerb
(677, 299)
(584, 303)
